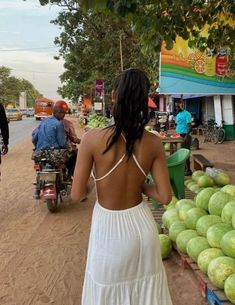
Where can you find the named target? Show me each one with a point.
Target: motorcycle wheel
(52, 205)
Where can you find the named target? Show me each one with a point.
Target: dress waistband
(138, 206)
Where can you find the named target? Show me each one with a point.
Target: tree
(156, 21)
(11, 86)
(90, 47)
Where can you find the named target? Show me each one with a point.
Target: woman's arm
(82, 183)
(161, 189)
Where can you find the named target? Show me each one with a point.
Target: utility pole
(120, 48)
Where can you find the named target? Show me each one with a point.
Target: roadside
(42, 255)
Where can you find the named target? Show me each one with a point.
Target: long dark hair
(131, 107)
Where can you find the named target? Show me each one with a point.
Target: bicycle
(218, 134)
(207, 130)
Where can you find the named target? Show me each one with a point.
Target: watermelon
(195, 188)
(192, 217)
(175, 229)
(165, 245)
(171, 204)
(227, 243)
(195, 246)
(159, 229)
(197, 174)
(205, 181)
(187, 181)
(184, 209)
(229, 288)
(183, 202)
(169, 217)
(222, 178)
(227, 212)
(216, 232)
(205, 222)
(220, 269)
(217, 202)
(233, 220)
(206, 256)
(202, 198)
(183, 238)
(230, 189)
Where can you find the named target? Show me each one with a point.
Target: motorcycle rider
(58, 133)
(4, 129)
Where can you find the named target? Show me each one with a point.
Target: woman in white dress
(124, 265)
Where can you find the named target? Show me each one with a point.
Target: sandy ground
(42, 255)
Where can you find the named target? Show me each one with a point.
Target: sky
(27, 44)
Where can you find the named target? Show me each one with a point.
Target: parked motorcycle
(52, 179)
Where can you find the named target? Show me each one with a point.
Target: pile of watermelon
(204, 229)
(200, 180)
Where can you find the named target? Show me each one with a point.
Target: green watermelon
(171, 204)
(183, 202)
(183, 238)
(227, 212)
(229, 288)
(169, 217)
(195, 246)
(205, 222)
(216, 232)
(165, 245)
(227, 243)
(195, 188)
(217, 202)
(230, 189)
(192, 217)
(187, 181)
(222, 178)
(197, 174)
(175, 229)
(205, 181)
(206, 256)
(183, 210)
(202, 198)
(233, 220)
(220, 269)
(159, 229)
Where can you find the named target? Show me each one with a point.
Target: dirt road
(42, 255)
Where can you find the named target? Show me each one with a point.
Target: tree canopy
(11, 86)
(90, 46)
(93, 29)
(162, 20)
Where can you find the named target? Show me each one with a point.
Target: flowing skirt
(124, 265)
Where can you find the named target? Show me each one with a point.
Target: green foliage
(11, 86)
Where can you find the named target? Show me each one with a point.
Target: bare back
(122, 188)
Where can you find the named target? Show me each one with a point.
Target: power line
(43, 72)
(26, 49)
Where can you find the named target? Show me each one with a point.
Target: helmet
(63, 105)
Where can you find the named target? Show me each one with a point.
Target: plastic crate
(216, 297)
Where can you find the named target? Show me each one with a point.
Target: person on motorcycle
(4, 130)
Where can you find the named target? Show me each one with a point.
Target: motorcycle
(52, 179)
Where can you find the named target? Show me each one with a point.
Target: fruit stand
(202, 232)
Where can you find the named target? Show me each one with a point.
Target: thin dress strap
(110, 171)
(116, 165)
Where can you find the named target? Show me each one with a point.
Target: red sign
(99, 87)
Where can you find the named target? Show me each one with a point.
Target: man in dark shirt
(4, 130)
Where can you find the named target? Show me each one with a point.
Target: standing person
(124, 264)
(4, 132)
(183, 127)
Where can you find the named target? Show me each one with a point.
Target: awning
(151, 103)
(187, 96)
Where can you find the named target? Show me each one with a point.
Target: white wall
(228, 109)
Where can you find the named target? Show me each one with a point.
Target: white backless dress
(124, 265)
